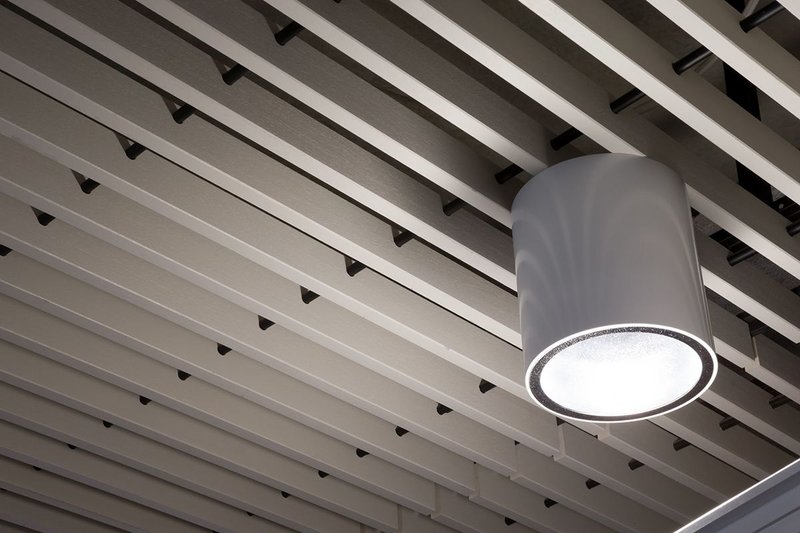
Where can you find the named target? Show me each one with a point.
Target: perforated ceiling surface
(257, 273)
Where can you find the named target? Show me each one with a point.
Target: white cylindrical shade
(613, 313)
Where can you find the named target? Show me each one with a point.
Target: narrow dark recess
(222, 349)
(442, 409)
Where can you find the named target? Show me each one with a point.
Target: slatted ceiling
(365, 402)
(438, 85)
(445, 468)
(692, 467)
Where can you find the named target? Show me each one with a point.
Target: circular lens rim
(706, 354)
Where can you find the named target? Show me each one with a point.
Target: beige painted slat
(609, 467)
(8, 527)
(412, 522)
(174, 65)
(793, 6)
(36, 516)
(769, 66)
(67, 425)
(94, 504)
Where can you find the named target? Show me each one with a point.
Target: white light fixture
(613, 313)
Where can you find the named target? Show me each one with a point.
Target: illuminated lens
(621, 373)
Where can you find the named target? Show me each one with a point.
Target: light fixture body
(613, 313)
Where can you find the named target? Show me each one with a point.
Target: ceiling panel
(257, 273)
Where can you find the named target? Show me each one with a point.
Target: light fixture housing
(613, 313)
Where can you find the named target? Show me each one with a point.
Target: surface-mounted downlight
(613, 314)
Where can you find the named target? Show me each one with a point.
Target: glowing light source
(613, 314)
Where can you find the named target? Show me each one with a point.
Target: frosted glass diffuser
(613, 313)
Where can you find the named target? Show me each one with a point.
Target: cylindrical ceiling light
(613, 313)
